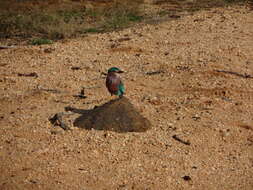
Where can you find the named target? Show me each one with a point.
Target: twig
(76, 68)
(103, 73)
(91, 87)
(76, 110)
(124, 39)
(33, 74)
(81, 95)
(58, 118)
(55, 91)
(235, 73)
(180, 140)
(7, 47)
(154, 72)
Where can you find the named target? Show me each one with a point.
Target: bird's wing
(122, 88)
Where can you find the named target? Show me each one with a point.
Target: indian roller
(114, 83)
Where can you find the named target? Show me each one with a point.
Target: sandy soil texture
(192, 77)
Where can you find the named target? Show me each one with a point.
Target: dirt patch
(201, 135)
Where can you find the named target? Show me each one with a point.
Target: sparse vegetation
(92, 30)
(69, 19)
(40, 41)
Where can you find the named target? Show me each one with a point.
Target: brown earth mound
(116, 115)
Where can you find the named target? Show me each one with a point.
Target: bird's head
(115, 70)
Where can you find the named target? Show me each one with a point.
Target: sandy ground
(191, 77)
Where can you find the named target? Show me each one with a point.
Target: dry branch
(235, 73)
(180, 140)
(7, 47)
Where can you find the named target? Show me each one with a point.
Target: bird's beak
(120, 71)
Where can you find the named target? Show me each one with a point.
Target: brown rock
(117, 115)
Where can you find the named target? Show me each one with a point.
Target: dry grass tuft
(58, 19)
(68, 20)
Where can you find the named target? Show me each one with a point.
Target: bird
(114, 83)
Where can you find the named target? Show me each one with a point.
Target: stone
(116, 115)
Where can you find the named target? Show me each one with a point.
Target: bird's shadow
(77, 110)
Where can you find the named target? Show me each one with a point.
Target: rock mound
(116, 115)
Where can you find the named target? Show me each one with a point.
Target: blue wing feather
(121, 90)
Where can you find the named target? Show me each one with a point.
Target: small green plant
(121, 20)
(40, 41)
(92, 30)
(134, 18)
(93, 13)
(162, 13)
(68, 15)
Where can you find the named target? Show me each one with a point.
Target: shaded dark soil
(117, 115)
